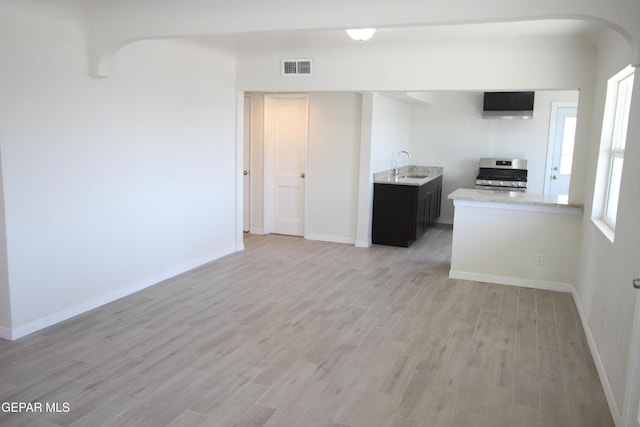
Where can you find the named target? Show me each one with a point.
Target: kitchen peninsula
(515, 238)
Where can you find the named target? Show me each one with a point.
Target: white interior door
(286, 133)
(246, 212)
(562, 132)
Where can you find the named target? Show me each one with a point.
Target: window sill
(605, 228)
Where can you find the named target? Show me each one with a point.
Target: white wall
(482, 64)
(606, 269)
(504, 248)
(336, 173)
(385, 132)
(365, 172)
(332, 175)
(451, 132)
(446, 64)
(486, 63)
(5, 297)
(109, 185)
(390, 131)
(332, 160)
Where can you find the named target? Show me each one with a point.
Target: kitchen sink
(414, 176)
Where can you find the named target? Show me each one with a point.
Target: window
(568, 139)
(611, 161)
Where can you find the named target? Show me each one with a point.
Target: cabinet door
(422, 215)
(428, 215)
(434, 207)
(394, 214)
(438, 201)
(435, 192)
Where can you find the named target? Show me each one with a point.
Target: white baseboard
(445, 221)
(256, 230)
(562, 287)
(513, 281)
(604, 380)
(332, 239)
(52, 319)
(363, 243)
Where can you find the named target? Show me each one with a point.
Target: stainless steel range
(502, 174)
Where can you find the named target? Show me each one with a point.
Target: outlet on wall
(539, 258)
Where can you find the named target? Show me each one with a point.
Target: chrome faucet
(396, 170)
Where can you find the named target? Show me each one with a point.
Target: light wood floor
(299, 333)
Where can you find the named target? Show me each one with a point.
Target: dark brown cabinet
(402, 213)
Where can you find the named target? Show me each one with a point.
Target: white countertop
(513, 197)
(428, 173)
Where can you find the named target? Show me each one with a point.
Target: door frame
(246, 164)
(553, 120)
(270, 159)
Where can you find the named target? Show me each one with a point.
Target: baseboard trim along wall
(597, 360)
(513, 281)
(332, 239)
(36, 325)
(363, 243)
(561, 287)
(44, 322)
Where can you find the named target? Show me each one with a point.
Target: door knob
(302, 175)
(555, 168)
(245, 172)
(554, 177)
(636, 283)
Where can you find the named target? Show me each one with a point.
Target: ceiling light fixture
(361, 34)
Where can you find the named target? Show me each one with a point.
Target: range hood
(508, 105)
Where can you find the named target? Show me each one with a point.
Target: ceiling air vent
(296, 67)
